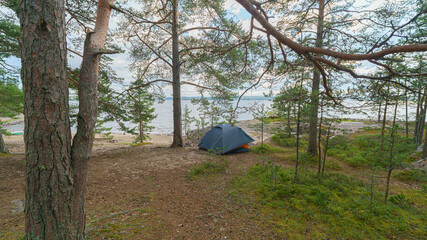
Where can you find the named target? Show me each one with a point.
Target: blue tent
(226, 138)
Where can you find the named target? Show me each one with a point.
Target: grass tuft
(266, 148)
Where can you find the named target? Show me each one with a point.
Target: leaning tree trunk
(421, 121)
(3, 148)
(88, 110)
(421, 132)
(176, 84)
(56, 172)
(47, 136)
(314, 108)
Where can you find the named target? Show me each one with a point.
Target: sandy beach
(15, 143)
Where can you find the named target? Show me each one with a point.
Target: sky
(121, 62)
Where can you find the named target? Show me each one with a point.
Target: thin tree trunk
(262, 130)
(176, 82)
(47, 136)
(81, 150)
(298, 132)
(289, 122)
(424, 153)
(3, 148)
(328, 135)
(379, 112)
(395, 108)
(314, 106)
(391, 164)
(140, 132)
(406, 113)
(319, 142)
(371, 200)
(417, 117)
(388, 184)
(384, 119)
(422, 120)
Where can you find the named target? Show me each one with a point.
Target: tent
(226, 138)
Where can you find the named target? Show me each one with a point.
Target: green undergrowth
(128, 224)
(266, 149)
(339, 207)
(213, 164)
(207, 168)
(414, 175)
(5, 155)
(16, 234)
(282, 139)
(364, 149)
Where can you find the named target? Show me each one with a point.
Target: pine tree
(139, 110)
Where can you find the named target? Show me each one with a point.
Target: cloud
(233, 7)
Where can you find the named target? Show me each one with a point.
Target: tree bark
(47, 136)
(406, 114)
(297, 133)
(3, 148)
(391, 163)
(56, 171)
(176, 82)
(319, 145)
(314, 106)
(421, 121)
(384, 119)
(88, 110)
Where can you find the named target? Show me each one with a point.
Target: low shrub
(265, 149)
(284, 140)
(340, 142)
(338, 207)
(214, 163)
(411, 175)
(208, 167)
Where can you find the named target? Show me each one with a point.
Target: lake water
(163, 124)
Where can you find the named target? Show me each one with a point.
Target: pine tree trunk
(406, 114)
(384, 120)
(56, 171)
(417, 117)
(314, 106)
(421, 122)
(387, 190)
(297, 138)
(319, 138)
(423, 117)
(379, 112)
(289, 122)
(140, 132)
(391, 163)
(3, 148)
(176, 82)
(262, 130)
(88, 110)
(47, 136)
(328, 135)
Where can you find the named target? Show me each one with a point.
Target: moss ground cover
(335, 207)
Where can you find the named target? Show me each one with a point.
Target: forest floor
(145, 192)
(147, 188)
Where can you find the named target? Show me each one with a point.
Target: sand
(15, 143)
